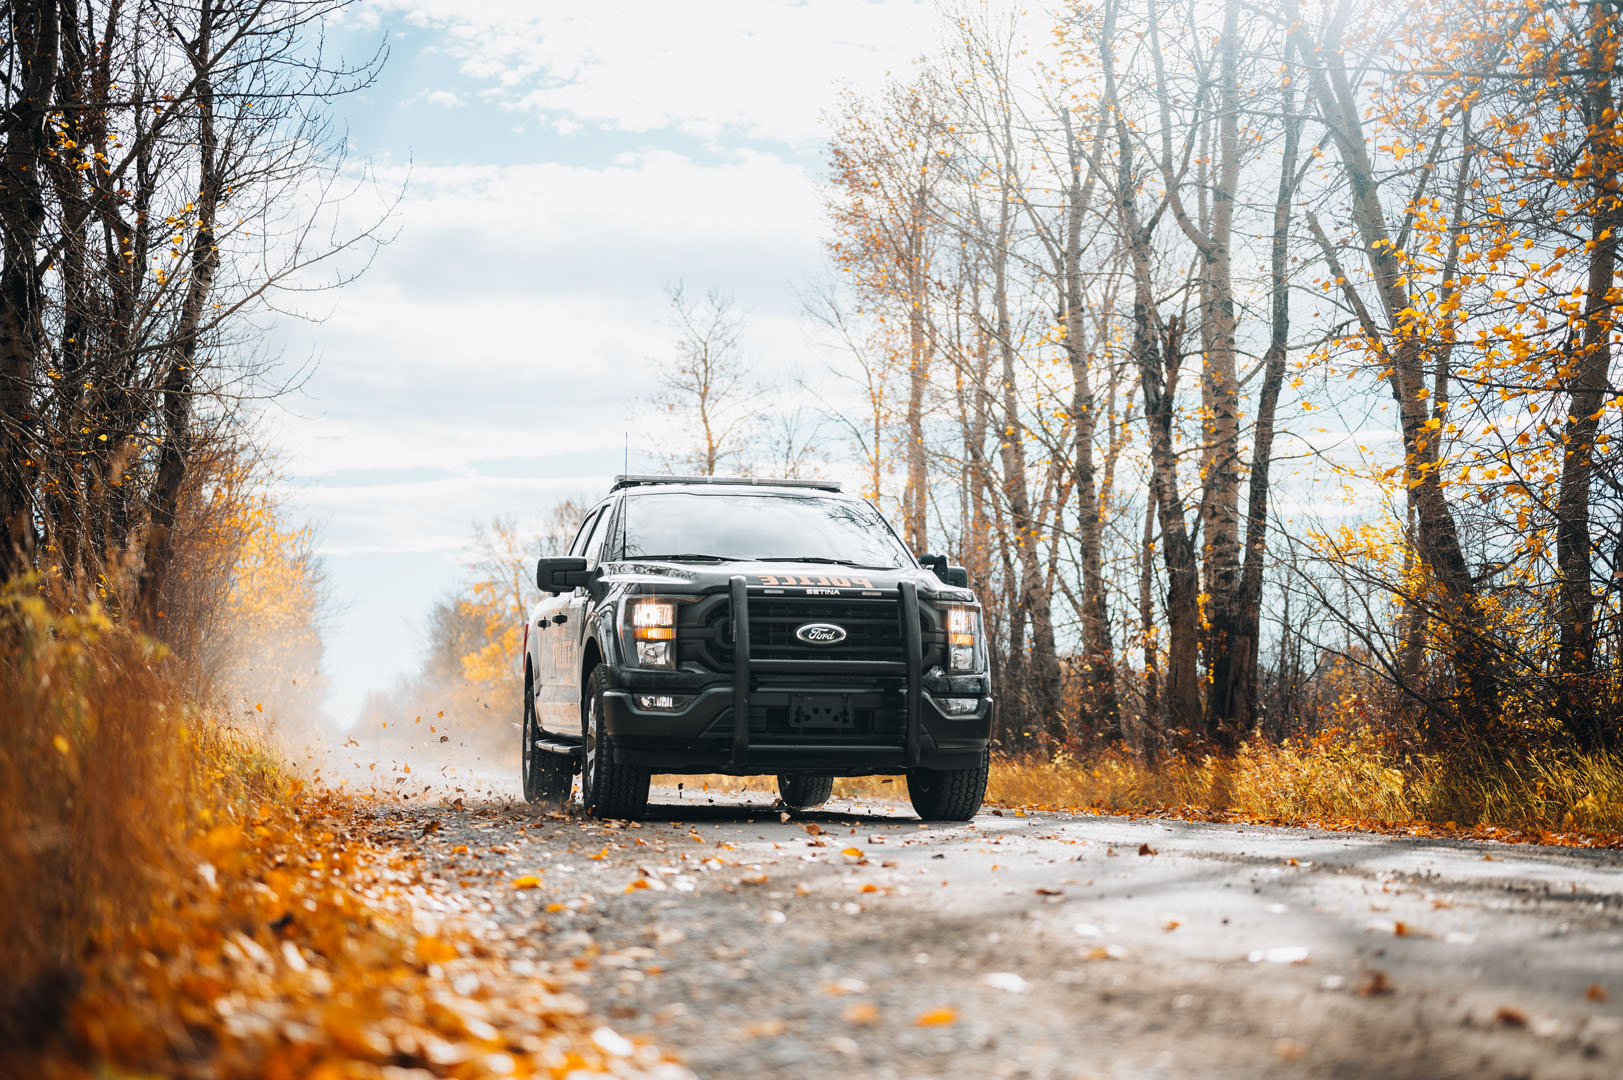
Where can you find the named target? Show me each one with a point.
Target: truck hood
(794, 578)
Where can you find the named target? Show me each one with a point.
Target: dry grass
(1347, 779)
(104, 772)
(1342, 782)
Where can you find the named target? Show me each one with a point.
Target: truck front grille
(873, 628)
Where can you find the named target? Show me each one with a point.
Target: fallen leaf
(431, 827)
(432, 950)
(1596, 992)
(813, 828)
(1043, 890)
(861, 1012)
(851, 852)
(937, 1017)
(764, 1029)
(528, 881)
(1375, 984)
(1145, 849)
(1510, 1017)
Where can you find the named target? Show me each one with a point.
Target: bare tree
(167, 164)
(706, 384)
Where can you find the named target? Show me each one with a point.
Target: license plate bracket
(824, 712)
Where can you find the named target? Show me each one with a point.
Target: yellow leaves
(941, 1017)
(527, 881)
(433, 950)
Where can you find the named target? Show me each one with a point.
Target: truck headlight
(653, 632)
(963, 639)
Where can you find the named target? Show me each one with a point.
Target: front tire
(949, 794)
(801, 791)
(545, 777)
(607, 789)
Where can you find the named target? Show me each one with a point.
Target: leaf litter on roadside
(305, 950)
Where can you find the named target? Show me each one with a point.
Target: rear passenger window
(594, 545)
(579, 546)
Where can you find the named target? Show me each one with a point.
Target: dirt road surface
(855, 941)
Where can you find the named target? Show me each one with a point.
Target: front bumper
(890, 721)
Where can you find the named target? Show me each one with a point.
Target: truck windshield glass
(770, 527)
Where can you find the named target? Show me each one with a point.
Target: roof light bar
(730, 481)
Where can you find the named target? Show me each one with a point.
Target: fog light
(655, 701)
(959, 706)
(654, 653)
(963, 657)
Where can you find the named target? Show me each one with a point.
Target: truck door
(550, 633)
(561, 714)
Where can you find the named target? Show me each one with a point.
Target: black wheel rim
(527, 751)
(588, 772)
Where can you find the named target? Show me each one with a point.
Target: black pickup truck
(751, 627)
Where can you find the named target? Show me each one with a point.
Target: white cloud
(516, 316)
(443, 98)
(762, 68)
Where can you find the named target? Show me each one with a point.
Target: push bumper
(882, 718)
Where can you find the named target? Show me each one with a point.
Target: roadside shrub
(104, 769)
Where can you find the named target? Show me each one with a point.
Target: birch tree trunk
(1589, 384)
(1243, 680)
(1459, 605)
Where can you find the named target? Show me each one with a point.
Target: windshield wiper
(685, 557)
(820, 559)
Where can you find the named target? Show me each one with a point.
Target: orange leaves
(305, 929)
(528, 881)
(433, 950)
(941, 1017)
(862, 1012)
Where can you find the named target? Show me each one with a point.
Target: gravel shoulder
(856, 940)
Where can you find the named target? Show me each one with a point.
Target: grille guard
(912, 667)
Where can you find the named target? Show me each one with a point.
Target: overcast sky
(562, 164)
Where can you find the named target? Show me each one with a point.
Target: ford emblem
(821, 633)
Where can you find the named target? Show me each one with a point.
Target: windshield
(760, 527)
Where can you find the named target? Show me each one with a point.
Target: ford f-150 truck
(751, 627)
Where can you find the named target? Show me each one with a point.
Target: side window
(594, 545)
(585, 533)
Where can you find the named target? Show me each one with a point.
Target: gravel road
(856, 941)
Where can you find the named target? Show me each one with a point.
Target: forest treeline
(168, 167)
(1258, 361)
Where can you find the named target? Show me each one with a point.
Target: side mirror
(561, 574)
(951, 575)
